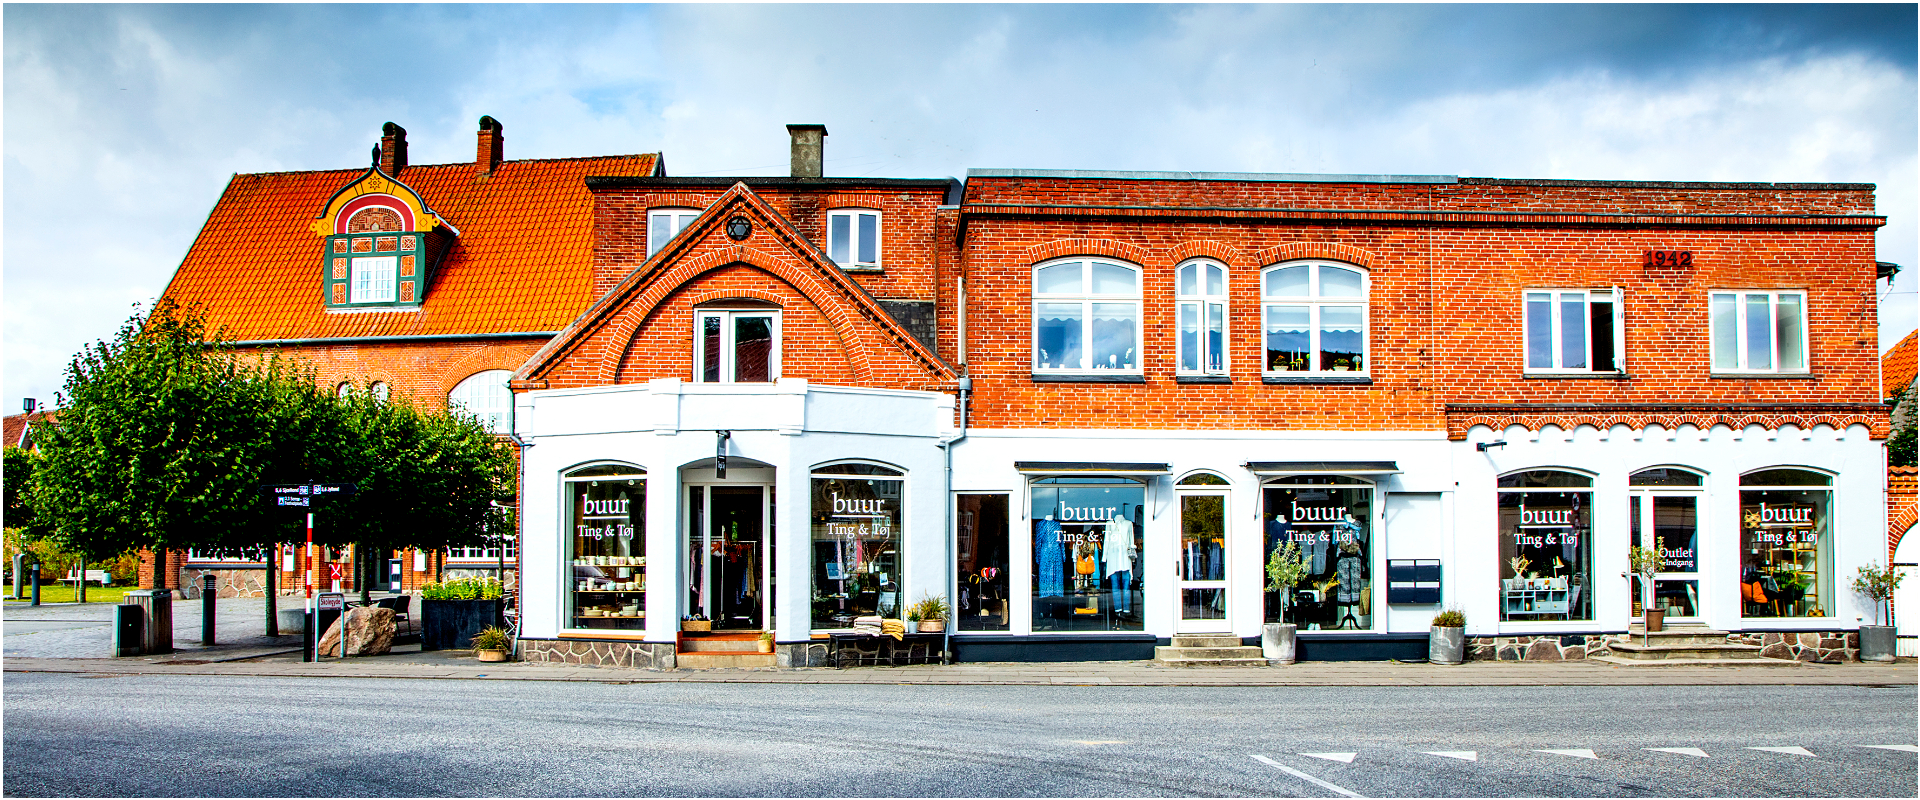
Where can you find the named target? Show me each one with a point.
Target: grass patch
(63, 593)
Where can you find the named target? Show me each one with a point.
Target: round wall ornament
(738, 228)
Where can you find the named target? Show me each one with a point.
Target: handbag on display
(1085, 565)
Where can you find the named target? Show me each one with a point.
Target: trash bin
(156, 619)
(127, 629)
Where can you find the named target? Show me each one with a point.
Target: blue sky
(123, 123)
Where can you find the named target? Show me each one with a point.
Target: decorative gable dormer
(381, 242)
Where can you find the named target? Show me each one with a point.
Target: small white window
(665, 223)
(1086, 317)
(736, 346)
(1574, 331)
(379, 391)
(344, 390)
(485, 395)
(1759, 331)
(1201, 303)
(853, 238)
(373, 279)
(1315, 320)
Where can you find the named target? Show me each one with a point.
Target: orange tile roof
(523, 260)
(1897, 366)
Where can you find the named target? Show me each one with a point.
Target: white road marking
(1576, 753)
(1344, 758)
(1463, 755)
(1792, 751)
(1304, 776)
(1685, 751)
(1904, 748)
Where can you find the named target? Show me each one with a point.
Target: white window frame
(492, 554)
(1205, 305)
(1740, 319)
(478, 396)
(375, 279)
(1316, 302)
(674, 220)
(1087, 299)
(1554, 299)
(727, 344)
(852, 216)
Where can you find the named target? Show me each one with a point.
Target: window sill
(1122, 378)
(1765, 376)
(1576, 376)
(862, 270)
(1323, 380)
(1214, 379)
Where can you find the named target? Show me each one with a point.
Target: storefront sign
(1780, 517)
(1550, 518)
(1087, 514)
(1676, 559)
(1318, 515)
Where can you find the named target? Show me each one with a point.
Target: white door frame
(1182, 583)
(1642, 498)
(700, 521)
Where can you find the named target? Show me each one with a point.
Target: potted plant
(1285, 568)
(1447, 639)
(930, 614)
(766, 641)
(452, 611)
(1877, 583)
(1644, 562)
(492, 643)
(1793, 584)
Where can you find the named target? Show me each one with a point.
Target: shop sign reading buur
(856, 537)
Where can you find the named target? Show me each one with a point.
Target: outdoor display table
(857, 649)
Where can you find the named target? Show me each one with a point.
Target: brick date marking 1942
(1668, 258)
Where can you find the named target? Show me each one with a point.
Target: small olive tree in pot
(1285, 568)
(1877, 584)
(1447, 639)
(1644, 562)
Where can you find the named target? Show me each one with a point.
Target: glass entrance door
(1201, 566)
(729, 555)
(1669, 523)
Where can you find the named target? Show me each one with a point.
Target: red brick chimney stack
(492, 147)
(393, 149)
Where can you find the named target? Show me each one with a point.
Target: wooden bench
(99, 576)
(856, 649)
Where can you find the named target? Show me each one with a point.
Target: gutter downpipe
(964, 391)
(519, 543)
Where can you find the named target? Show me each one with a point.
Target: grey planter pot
(1446, 645)
(292, 620)
(1276, 643)
(1876, 643)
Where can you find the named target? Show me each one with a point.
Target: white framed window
(1574, 331)
(1200, 300)
(344, 390)
(853, 238)
(1758, 331)
(495, 553)
(485, 395)
(665, 223)
(1315, 319)
(1086, 317)
(373, 279)
(736, 345)
(380, 391)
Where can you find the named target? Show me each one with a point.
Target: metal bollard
(306, 654)
(208, 592)
(19, 576)
(33, 574)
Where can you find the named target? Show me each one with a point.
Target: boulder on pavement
(369, 632)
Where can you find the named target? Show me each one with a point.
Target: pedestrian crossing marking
(1463, 755)
(1576, 753)
(1685, 751)
(1792, 751)
(1904, 748)
(1344, 758)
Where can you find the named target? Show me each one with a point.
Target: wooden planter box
(451, 624)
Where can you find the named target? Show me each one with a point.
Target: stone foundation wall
(632, 655)
(1824, 647)
(803, 654)
(228, 582)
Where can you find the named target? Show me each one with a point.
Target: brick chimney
(393, 149)
(492, 146)
(809, 149)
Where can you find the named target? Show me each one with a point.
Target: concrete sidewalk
(460, 665)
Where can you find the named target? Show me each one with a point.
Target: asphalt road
(239, 736)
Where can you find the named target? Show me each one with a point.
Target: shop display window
(981, 546)
(1330, 519)
(606, 551)
(1786, 544)
(1087, 537)
(1546, 546)
(857, 532)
